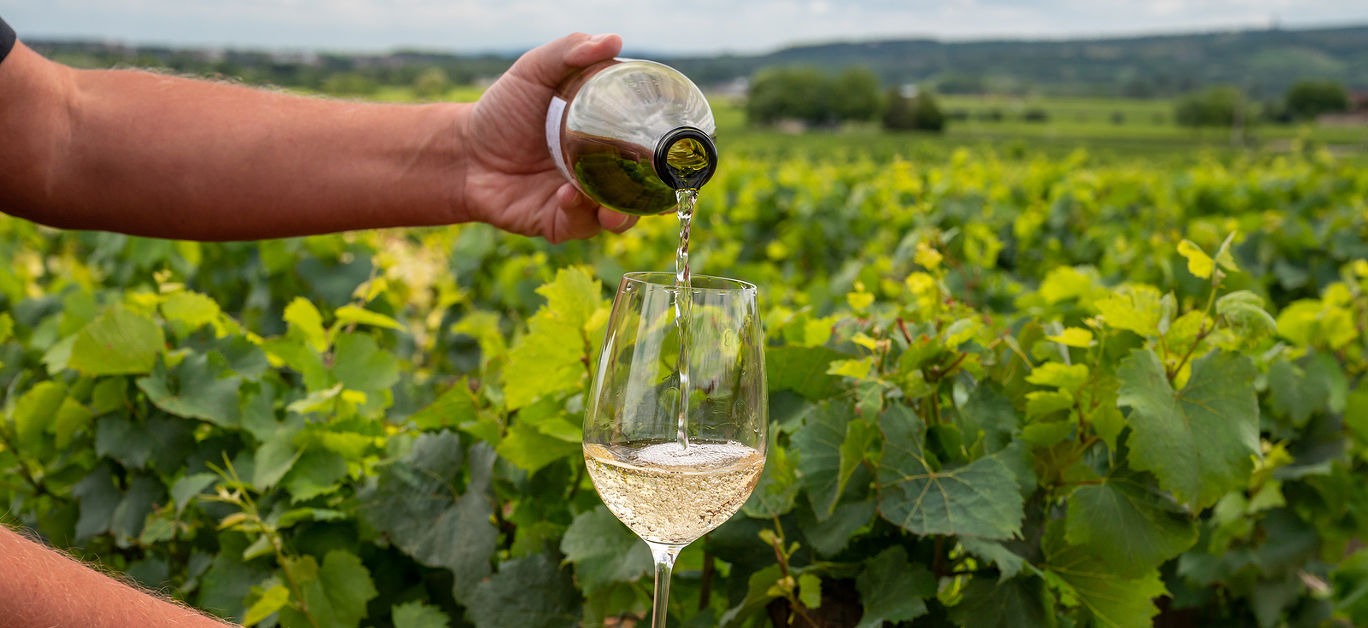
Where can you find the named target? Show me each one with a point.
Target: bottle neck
(685, 158)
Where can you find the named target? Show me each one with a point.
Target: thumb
(549, 64)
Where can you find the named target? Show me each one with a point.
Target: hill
(1262, 62)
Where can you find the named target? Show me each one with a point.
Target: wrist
(458, 152)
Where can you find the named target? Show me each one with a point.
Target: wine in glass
(673, 468)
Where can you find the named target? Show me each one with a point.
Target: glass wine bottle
(629, 133)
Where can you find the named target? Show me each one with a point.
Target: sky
(665, 26)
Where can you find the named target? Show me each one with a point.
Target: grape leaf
(192, 308)
(1127, 523)
(360, 364)
(416, 614)
(603, 550)
(99, 497)
(760, 590)
(892, 589)
(559, 341)
(1110, 599)
(455, 406)
(530, 449)
(335, 593)
(978, 499)
(186, 488)
(1009, 563)
(1198, 441)
(989, 412)
(271, 600)
(33, 411)
(225, 585)
(119, 341)
(316, 472)
(527, 592)
(802, 370)
(195, 388)
(1014, 603)
(128, 517)
(305, 319)
(1137, 308)
(412, 503)
(831, 535)
(775, 492)
(823, 458)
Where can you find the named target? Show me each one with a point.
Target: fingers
(615, 222)
(578, 216)
(549, 64)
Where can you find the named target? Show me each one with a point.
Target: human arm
(40, 588)
(163, 156)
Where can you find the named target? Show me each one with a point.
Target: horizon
(465, 27)
(628, 50)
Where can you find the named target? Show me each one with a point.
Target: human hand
(510, 180)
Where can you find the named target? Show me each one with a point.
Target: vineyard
(1005, 390)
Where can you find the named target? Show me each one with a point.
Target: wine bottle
(629, 133)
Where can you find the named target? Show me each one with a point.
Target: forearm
(40, 588)
(155, 155)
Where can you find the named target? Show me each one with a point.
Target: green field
(1073, 373)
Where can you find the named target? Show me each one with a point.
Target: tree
(786, 93)
(917, 113)
(854, 95)
(431, 83)
(1308, 99)
(1215, 106)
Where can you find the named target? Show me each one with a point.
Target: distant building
(1357, 115)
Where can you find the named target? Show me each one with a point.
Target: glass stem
(664, 556)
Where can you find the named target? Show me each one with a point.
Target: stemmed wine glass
(673, 479)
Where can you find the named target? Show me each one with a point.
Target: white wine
(683, 303)
(670, 495)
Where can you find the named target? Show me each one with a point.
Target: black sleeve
(6, 39)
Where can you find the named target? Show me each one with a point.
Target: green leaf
(760, 590)
(892, 589)
(454, 407)
(99, 497)
(1198, 263)
(802, 370)
(831, 535)
(1009, 563)
(988, 412)
(1059, 375)
(270, 601)
(527, 592)
(412, 504)
(1110, 599)
(225, 585)
(304, 318)
(119, 341)
(70, 419)
(810, 590)
(335, 593)
(353, 314)
(195, 388)
(189, 486)
(274, 459)
(360, 364)
(1127, 523)
(824, 459)
(416, 614)
(144, 491)
(160, 441)
(559, 342)
(603, 550)
(777, 489)
(528, 448)
(1137, 308)
(33, 411)
(316, 472)
(1200, 442)
(978, 499)
(192, 308)
(1015, 603)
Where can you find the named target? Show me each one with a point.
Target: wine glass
(672, 481)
